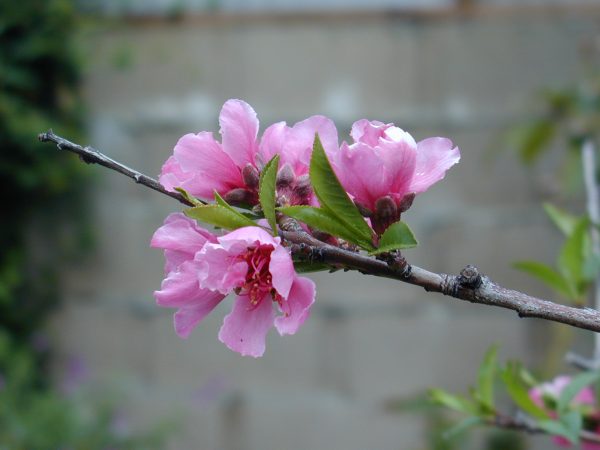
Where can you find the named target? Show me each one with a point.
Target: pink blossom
(181, 238)
(201, 269)
(254, 265)
(546, 395)
(384, 168)
(201, 165)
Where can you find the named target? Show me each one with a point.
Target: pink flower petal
(171, 175)
(219, 269)
(282, 271)
(297, 306)
(182, 234)
(239, 128)
(180, 287)
(586, 445)
(188, 317)
(362, 173)
(434, 157)
(245, 328)
(205, 165)
(302, 138)
(273, 142)
(247, 237)
(181, 238)
(399, 156)
(368, 132)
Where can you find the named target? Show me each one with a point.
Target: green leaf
(557, 428)
(397, 236)
(564, 221)
(591, 267)
(518, 392)
(573, 422)
(573, 253)
(221, 202)
(461, 427)
(333, 197)
(454, 402)
(266, 192)
(548, 276)
(574, 387)
(485, 380)
(532, 139)
(324, 220)
(219, 216)
(189, 197)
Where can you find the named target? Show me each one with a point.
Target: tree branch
(522, 424)
(90, 155)
(469, 285)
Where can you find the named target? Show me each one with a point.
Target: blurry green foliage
(575, 264)
(43, 224)
(43, 419)
(39, 77)
(567, 115)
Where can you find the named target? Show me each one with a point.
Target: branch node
(469, 277)
(449, 285)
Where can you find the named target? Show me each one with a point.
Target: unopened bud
(285, 176)
(238, 196)
(250, 176)
(385, 208)
(386, 213)
(303, 188)
(406, 202)
(366, 212)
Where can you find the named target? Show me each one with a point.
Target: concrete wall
(368, 339)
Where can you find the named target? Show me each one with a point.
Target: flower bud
(285, 176)
(250, 176)
(366, 212)
(406, 202)
(303, 188)
(386, 213)
(238, 196)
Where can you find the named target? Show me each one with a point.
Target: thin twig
(528, 426)
(90, 155)
(469, 285)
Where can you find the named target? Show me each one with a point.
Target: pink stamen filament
(259, 281)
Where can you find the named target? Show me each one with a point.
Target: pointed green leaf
(219, 216)
(574, 387)
(326, 221)
(332, 195)
(397, 236)
(221, 202)
(573, 253)
(455, 402)
(461, 427)
(486, 376)
(189, 197)
(557, 428)
(266, 191)
(532, 139)
(564, 221)
(573, 422)
(548, 276)
(518, 392)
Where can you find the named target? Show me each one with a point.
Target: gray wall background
(368, 339)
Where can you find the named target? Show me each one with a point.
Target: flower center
(259, 281)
